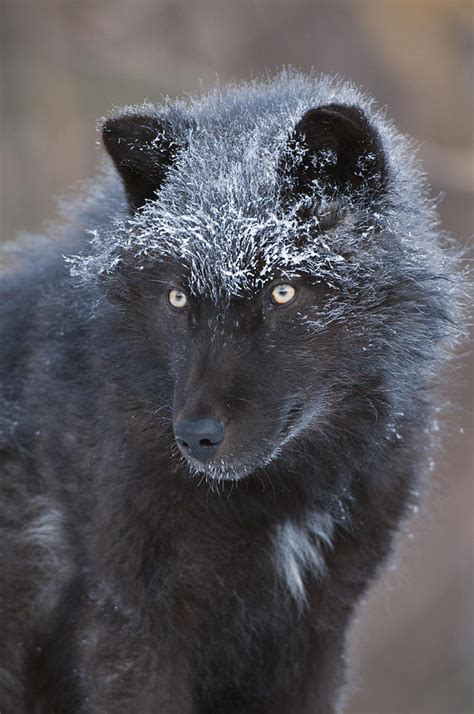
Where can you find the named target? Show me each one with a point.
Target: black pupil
(283, 291)
(177, 297)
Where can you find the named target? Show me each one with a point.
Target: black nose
(200, 438)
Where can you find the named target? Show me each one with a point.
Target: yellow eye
(283, 294)
(177, 298)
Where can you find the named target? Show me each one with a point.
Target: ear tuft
(143, 150)
(336, 149)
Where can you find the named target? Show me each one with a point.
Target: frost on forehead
(227, 252)
(218, 212)
(230, 253)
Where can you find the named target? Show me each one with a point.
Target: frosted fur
(220, 217)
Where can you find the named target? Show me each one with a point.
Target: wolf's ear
(142, 148)
(336, 148)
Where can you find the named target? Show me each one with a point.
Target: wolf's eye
(283, 294)
(177, 298)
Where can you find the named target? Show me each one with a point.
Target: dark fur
(128, 584)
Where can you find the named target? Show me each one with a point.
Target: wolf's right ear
(143, 150)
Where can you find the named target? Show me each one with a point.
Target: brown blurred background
(65, 63)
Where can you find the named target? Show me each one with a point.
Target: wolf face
(249, 373)
(260, 255)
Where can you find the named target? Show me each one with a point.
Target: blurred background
(65, 63)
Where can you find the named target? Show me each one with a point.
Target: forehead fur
(218, 212)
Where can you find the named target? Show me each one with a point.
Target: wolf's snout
(199, 438)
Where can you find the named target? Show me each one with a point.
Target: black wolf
(214, 411)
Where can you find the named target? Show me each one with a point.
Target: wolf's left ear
(143, 150)
(336, 148)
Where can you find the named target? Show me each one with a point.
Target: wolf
(215, 398)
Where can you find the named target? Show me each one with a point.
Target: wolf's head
(274, 271)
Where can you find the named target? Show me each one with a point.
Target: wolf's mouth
(220, 469)
(241, 465)
(231, 469)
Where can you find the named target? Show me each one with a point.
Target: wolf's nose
(200, 438)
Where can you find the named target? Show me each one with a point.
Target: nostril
(183, 443)
(206, 443)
